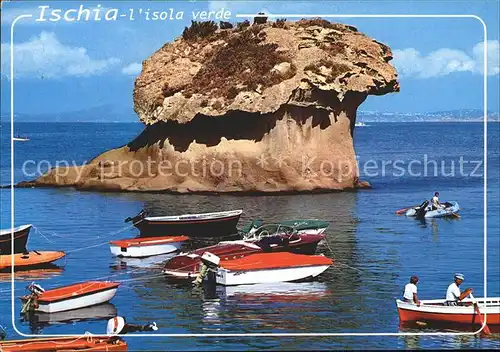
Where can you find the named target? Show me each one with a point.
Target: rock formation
(264, 107)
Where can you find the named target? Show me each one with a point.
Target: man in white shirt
(410, 294)
(453, 294)
(435, 202)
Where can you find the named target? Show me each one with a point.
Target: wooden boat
(80, 295)
(424, 210)
(435, 311)
(21, 234)
(66, 344)
(146, 246)
(310, 226)
(218, 224)
(30, 260)
(283, 239)
(270, 267)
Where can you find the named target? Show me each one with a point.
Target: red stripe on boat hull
(406, 315)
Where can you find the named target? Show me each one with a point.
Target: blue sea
(375, 251)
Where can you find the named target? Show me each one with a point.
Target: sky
(63, 66)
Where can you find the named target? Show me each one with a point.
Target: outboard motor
(422, 210)
(139, 217)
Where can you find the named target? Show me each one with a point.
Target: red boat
(269, 238)
(21, 234)
(435, 311)
(66, 344)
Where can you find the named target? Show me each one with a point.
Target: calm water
(375, 251)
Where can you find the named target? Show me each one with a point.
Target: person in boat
(410, 292)
(435, 203)
(119, 326)
(453, 294)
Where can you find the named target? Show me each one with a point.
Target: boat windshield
(270, 230)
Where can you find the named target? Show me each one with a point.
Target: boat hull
(21, 235)
(220, 227)
(75, 343)
(232, 278)
(31, 260)
(439, 314)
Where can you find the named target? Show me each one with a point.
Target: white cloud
(411, 63)
(45, 56)
(133, 69)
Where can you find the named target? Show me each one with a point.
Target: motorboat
(262, 268)
(425, 210)
(309, 226)
(21, 234)
(79, 295)
(29, 260)
(146, 246)
(436, 311)
(267, 238)
(218, 224)
(73, 343)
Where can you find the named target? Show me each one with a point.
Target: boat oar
(486, 329)
(401, 211)
(455, 215)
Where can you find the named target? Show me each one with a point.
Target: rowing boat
(424, 210)
(270, 267)
(436, 311)
(66, 344)
(218, 224)
(20, 235)
(30, 260)
(80, 295)
(146, 246)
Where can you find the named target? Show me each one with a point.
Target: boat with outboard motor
(267, 238)
(465, 312)
(310, 226)
(20, 235)
(218, 224)
(425, 210)
(261, 268)
(75, 296)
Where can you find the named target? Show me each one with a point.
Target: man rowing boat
(410, 293)
(435, 203)
(453, 294)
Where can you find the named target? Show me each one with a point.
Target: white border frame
(485, 252)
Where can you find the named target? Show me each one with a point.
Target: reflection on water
(49, 271)
(37, 321)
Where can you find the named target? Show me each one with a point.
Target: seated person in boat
(410, 293)
(118, 326)
(453, 294)
(435, 203)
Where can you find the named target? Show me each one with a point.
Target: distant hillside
(102, 113)
(461, 115)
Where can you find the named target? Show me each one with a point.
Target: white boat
(80, 295)
(424, 210)
(264, 268)
(436, 311)
(20, 139)
(360, 124)
(146, 246)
